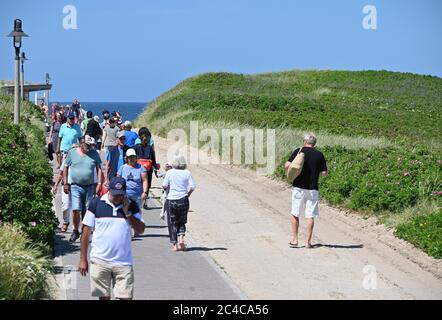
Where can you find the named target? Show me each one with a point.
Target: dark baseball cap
(117, 186)
(71, 116)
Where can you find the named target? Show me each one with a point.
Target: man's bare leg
(59, 159)
(295, 226)
(310, 225)
(76, 219)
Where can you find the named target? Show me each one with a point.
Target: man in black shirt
(305, 196)
(75, 108)
(93, 129)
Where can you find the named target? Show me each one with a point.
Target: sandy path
(244, 219)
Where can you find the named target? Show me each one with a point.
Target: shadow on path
(65, 247)
(203, 249)
(155, 227)
(338, 246)
(152, 236)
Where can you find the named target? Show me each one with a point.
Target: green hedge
(25, 175)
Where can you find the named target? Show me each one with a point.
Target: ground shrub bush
(25, 175)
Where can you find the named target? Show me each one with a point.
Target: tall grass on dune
(24, 269)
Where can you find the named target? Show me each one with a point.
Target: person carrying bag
(295, 167)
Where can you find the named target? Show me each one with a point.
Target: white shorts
(306, 201)
(66, 204)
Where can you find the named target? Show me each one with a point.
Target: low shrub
(25, 175)
(424, 232)
(381, 179)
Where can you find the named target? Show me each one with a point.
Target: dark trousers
(177, 217)
(149, 180)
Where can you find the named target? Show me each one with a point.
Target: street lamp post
(22, 79)
(16, 35)
(48, 79)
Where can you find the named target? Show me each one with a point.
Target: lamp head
(17, 33)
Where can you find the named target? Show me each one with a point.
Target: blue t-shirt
(130, 138)
(120, 157)
(82, 167)
(69, 136)
(134, 182)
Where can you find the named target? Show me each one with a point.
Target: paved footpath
(159, 272)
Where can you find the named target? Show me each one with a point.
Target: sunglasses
(122, 138)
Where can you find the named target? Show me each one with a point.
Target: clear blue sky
(134, 50)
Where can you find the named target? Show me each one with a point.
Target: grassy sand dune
(380, 132)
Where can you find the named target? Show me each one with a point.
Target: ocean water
(128, 110)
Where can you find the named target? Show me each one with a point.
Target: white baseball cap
(89, 140)
(131, 153)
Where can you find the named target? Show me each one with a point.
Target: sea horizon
(129, 110)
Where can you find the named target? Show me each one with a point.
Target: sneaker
(74, 236)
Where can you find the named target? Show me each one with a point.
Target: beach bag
(295, 167)
(50, 151)
(103, 191)
(146, 163)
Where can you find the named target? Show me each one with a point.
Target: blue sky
(134, 50)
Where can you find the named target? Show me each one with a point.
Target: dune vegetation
(380, 132)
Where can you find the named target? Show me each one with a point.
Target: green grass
(24, 268)
(364, 103)
(380, 131)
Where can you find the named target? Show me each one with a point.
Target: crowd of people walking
(104, 201)
(108, 203)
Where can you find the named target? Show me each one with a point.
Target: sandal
(293, 245)
(65, 227)
(182, 247)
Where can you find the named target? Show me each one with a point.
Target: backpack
(104, 190)
(93, 128)
(295, 167)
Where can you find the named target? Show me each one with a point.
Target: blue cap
(117, 186)
(71, 116)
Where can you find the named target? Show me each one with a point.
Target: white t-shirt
(179, 183)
